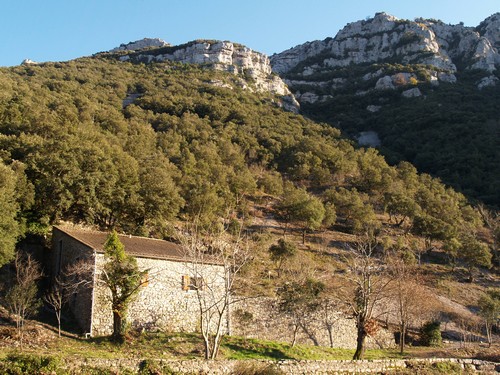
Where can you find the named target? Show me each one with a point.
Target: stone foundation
(291, 367)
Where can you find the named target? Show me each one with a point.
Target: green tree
(123, 278)
(281, 252)
(489, 309)
(9, 208)
(298, 206)
(431, 333)
(353, 209)
(474, 254)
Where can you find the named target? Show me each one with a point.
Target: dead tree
(370, 279)
(214, 259)
(21, 298)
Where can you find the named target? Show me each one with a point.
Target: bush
(431, 334)
(18, 364)
(447, 368)
(150, 367)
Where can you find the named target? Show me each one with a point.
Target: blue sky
(59, 30)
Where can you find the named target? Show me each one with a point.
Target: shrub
(431, 334)
(256, 368)
(447, 368)
(18, 364)
(150, 367)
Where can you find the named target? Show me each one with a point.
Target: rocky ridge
(253, 67)
(141, 44)
(438, 49)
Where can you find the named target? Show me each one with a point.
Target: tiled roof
(136, 246)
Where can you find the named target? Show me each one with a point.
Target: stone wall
(162, 303)
(66, 251)
(291, 367)
(268, 323)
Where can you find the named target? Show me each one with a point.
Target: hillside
(427, 89)
(144, 141)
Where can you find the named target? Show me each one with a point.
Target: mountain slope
(429, 90)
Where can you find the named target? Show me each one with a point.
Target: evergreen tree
(123, 278)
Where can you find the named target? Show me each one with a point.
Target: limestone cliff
(439, 49)
(141, 44)
(253, 67)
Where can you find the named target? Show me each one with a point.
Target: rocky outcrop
(29, 62)
(141, 44)
(490, 29)
(254, 67)
(437, 49)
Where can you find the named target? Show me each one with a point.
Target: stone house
(168, 298)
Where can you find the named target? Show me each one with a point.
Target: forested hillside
(140, 146)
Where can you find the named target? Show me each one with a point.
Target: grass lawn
(183, 346)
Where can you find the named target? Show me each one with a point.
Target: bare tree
(56, 298)
(368, 274)
(74, 277)
(333, 307)
(408, 294)
(214, 258)
(299, 300)
(21, 298)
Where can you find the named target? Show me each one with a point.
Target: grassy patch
(241, 348)
(190, 346)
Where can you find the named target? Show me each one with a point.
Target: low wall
(292, 367)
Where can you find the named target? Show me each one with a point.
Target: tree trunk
(488, 334)
(360, 344)
(295, 330)
(118, 327)
(206, 343)
(304, 237)
(58, 316)
(402, 334)
(329, 328)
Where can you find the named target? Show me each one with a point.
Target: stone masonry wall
(268, 323)
(161, 303)
(66, 251)
(291, 367)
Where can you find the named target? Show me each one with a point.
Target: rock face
(141, 44)
(437, 49)
(29, 62)
(253, 66)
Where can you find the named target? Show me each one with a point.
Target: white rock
(226, 56)
(412, 93)
(491, 29)
(141, 44)
(369, 138)
(308, 97)
(385, 83)
(373, 108)
(487, 81)
(446, 77)
(29, 62)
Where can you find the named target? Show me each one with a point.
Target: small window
(192, 282)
